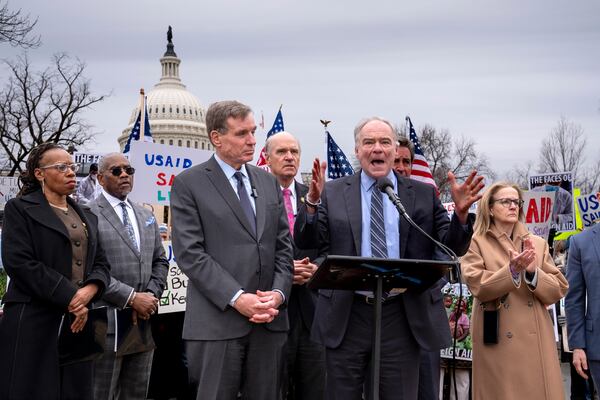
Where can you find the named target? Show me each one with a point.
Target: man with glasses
(130, 236)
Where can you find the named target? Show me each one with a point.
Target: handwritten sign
(156, 166)
(174, 296)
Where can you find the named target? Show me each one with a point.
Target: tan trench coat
(524, 364)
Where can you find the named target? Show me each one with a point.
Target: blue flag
(135, 132)
(277, 125)
(337, 163)
(276, 128)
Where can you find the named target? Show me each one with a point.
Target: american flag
(420, 167)
(135, 132)
(277, 127)
(337, 163)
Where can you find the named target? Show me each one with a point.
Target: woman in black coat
(56, 268)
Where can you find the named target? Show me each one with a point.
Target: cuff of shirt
(235, 297)
(282, 295)
(128, 299)
(533, 282)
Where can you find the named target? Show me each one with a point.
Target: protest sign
(450, 208)
(589, 207)
(9, 187)
(85, 160)
(156, 165)
(561, 184)
(174, 296)
(537, 208)
(459, 327)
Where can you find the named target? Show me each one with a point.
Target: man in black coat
(304, 369)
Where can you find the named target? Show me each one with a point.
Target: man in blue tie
(350, 216)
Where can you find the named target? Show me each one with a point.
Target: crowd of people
(86, 277)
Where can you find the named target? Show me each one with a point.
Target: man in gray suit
(582, 303)
(130, 236)
(304, 372)
(231, 238)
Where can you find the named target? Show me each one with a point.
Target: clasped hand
(261, 307)
(78, 306)
(523, 261)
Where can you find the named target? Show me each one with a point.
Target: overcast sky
(500, 72)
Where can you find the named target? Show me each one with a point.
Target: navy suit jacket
(583, 274)
(338, 231)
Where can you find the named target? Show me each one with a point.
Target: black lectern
(378, 275)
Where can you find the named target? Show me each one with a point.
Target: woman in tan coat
(513, 279)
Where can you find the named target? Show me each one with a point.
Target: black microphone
(254, 192)
(387, 187)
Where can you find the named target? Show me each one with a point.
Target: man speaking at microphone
(351, 216)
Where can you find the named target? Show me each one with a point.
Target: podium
(378, 275)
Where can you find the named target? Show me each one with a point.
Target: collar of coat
(520, 232)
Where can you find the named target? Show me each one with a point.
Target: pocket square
(150, 220)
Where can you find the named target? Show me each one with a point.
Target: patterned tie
(287, 201)
(128, 226)
(378, 242)
(245, 200)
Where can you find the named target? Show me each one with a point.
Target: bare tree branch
(46, 106)
(16, 28)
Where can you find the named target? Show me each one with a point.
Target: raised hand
(317, 182)
(465, 194)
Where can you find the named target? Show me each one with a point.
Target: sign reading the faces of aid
(563, 210)
(537, 208)
(174, 296)
(9, 187)
(589, 207)
(156, 165)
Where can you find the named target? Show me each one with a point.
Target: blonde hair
(484, 214)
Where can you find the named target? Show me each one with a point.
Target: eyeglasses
(62, 167)
(506, 203)
(116, 171)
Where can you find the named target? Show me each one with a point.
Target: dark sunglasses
(116, 171)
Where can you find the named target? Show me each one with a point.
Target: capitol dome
(176, 116)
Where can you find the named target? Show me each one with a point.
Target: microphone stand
(455, 274)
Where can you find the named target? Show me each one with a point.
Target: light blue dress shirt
(390, 216)
(229, 171)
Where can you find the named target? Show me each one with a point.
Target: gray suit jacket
(216, 248)
(143, 271)
(583, 274)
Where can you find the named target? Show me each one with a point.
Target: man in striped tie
(304, 368)
(350, 216)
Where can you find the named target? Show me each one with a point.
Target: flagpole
(325, 122)
(142, 114)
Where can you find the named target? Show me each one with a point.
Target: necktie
(287, 202)
(245, 200)
(128, 226)
(378, 242)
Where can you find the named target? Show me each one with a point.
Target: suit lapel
(108, 212)
(217, 177)
(146, 240)
(407, 197)
(596, 239)
(353, 200)
(41, 211)
(301, 191)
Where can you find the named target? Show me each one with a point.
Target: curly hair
(28, 181)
